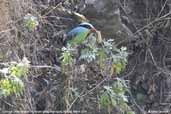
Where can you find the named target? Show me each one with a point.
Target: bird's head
(86, 25)
(89, 26)
(93, 30)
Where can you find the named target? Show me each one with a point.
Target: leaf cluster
(114, 96)
(106, 54)
(12, 77)
(30, 22)
(109, 59)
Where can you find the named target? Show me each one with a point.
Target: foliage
(20, 69)
(11, 86)
(88, 55)
(66, 57)
(118, 57)
(11, 82)
(114, 96)
(107, 53)
(31, 22)
(107, 56)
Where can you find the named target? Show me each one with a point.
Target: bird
(79, 34)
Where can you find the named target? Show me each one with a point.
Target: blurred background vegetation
(129, 73)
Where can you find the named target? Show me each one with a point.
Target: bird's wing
(77, 35)
(74, 32)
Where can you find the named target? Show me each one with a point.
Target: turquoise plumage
(77, 35)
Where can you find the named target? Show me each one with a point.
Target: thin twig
(54, 8)
(94, 87)
(58, 68)
(164, 5)
(152, 22)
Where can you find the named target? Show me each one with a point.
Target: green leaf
(31, 22)
(66, 56)
(11, 86)
(102, 56)
(88, 55)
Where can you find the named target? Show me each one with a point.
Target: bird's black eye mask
(86, 26)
